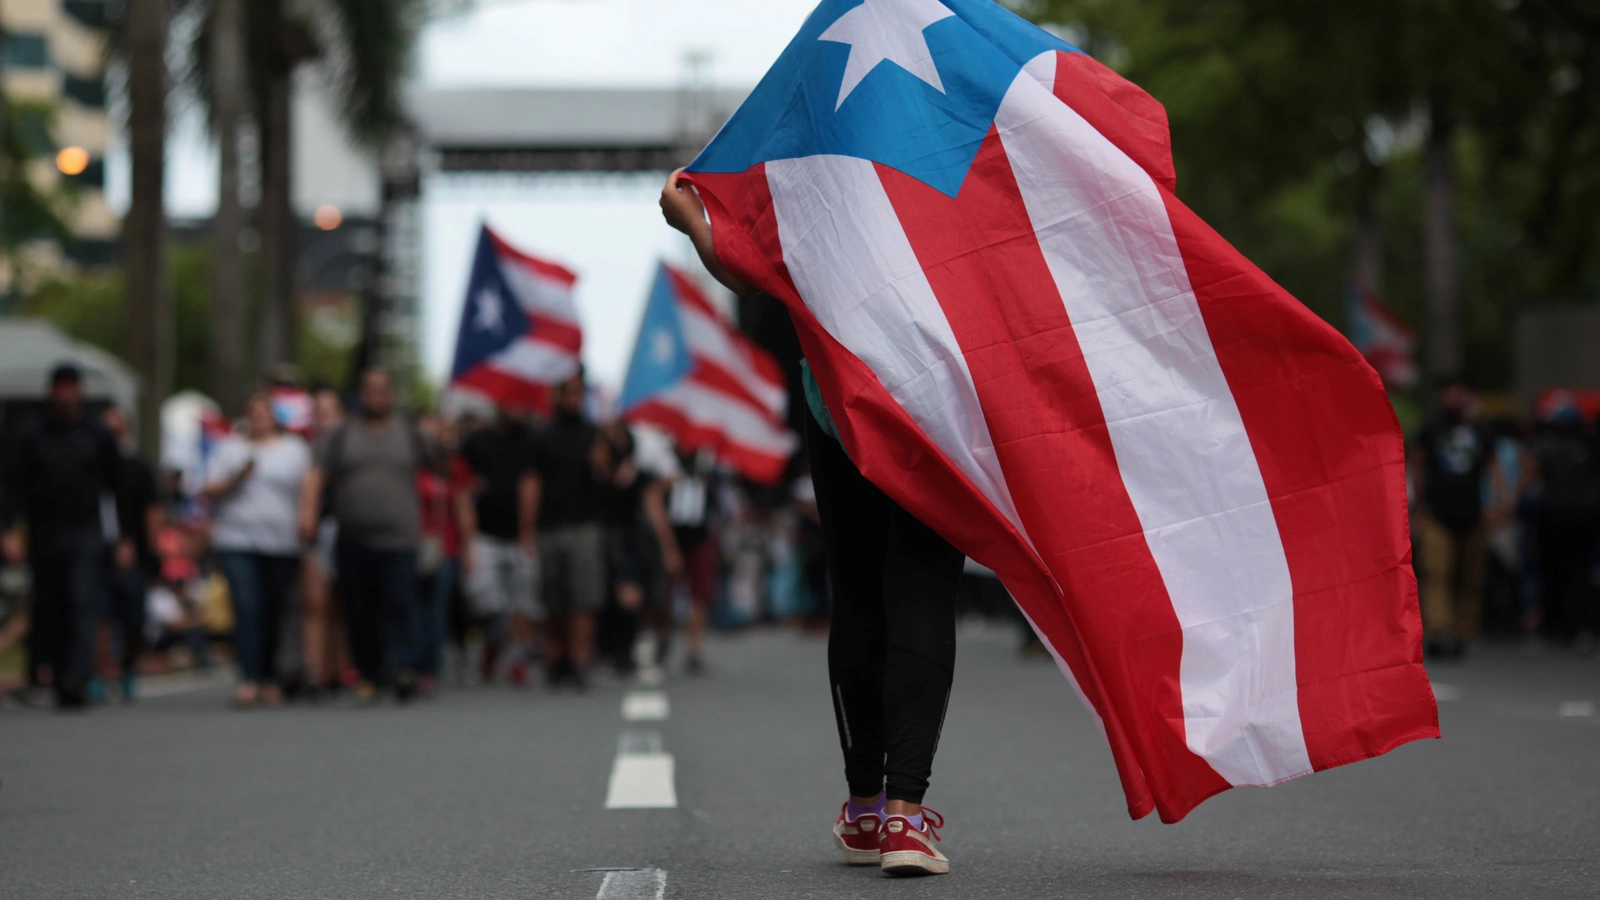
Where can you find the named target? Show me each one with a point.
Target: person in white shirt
(254, 485)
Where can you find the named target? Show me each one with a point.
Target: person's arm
(685, 211)
(14, 480)
(311, 504)
(655, 510)
(528, 496)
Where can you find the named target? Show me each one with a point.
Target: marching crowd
(371, 552)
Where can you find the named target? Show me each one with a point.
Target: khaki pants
(1451, 573)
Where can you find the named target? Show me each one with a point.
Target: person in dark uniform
(64, 464)
(133, 561)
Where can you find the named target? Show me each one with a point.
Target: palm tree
(227, 101)
(364, 47)
(150, 331)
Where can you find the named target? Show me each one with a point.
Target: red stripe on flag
(1044, 414)
(555, 332)
(927, 484)
(542, 267)
(1318, 420)
(719, 379)
(506, 390)
(766, 468)
(1119, 109)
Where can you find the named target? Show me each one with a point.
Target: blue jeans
(432, 615)
(379, 589)
(259, 587)
(68, 584)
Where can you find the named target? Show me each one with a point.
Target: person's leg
(1472, 551)
(587, 581)
(51, 605)
(1437, 559)
(555, 565)
(700, 570)
(86, 594)
(855, 524)
(358, 589)
(278, 578)
(129, 611)
(921, 575)
(315, 599)
(399, 598)
(244, 590)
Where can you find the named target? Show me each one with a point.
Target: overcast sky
(610, 230)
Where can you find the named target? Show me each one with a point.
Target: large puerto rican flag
(698, 378)
(1193, 486)
(519, 331)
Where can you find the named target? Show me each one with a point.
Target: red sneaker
(909, 851)
(857, 839)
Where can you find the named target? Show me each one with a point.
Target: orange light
(72, 160)
(328, 217)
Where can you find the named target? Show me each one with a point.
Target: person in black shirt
(499, 542)
(134, 562)
(1452, 457)
(637, 531)
(570, 458)
(64, 465)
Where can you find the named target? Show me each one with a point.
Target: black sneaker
(405, 687)
(71, 699)
(694, 666)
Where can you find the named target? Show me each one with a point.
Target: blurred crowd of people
(1506, 523)
(369, 552)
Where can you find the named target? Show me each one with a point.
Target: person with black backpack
(365, 472)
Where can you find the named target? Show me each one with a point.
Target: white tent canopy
(30, 348)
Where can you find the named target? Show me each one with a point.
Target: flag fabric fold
(519, 332)
(1193, 487)
(695, 376)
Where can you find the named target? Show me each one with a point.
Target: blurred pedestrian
(892, 640)
(499, 559)
(254, 487)
(637, 530)
(1453, 456)
(570, 459)
(443, 494)
(1566, 519)
(323, 641)
(134, 563)
(64, 466)
(696, 540)
(369, 466)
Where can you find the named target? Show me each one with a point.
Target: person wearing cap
(63, 466)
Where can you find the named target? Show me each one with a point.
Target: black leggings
(892, 647)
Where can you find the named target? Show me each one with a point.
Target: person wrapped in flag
(1192, 486)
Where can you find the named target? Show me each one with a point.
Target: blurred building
(54, 78)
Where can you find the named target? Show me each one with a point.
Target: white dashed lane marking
(637, 884)
(645, 706)
(1573, 709)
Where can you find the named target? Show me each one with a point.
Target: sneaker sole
(912, 862)
(856, 857)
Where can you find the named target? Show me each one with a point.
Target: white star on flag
(891, 30)
(663, 347)
(490, 316)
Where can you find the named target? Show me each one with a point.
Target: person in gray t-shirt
(365, 475)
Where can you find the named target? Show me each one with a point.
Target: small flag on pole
(698, 378)
(519, 332)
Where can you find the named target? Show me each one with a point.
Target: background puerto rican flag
(696, 377)
(519, 331)
(1193, 487)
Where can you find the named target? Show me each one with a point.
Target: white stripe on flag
(535, 361)
(1180, 443)
(741, 423)
(857, 272)
(709, 338)
(540, 295)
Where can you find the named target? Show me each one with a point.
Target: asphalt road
(499, 793)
